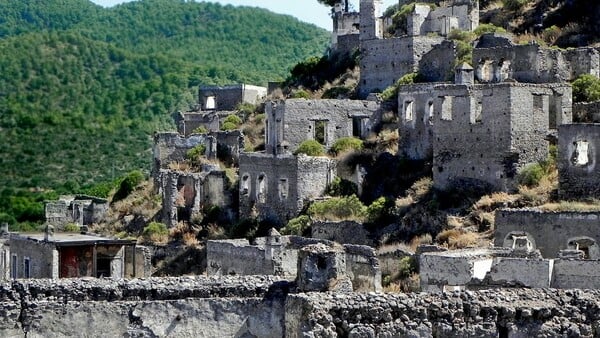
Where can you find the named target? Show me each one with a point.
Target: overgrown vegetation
(311, 148)
(83, 88)
(345, 144)
(586, 88)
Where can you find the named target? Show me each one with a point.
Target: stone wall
(437, 65)
(293, 121)
(362, 266)
(416, 114)
(586, 112)
(227, 98)
(344, 232)
(578, 156)
(520, 272)
(462, 15)
(484, 134)
(203, 307)
(237, 257)
(43, 258)
(576, 274)
(186, 195)
(497, 313)
(384, 61)
(80, 209)
(268, 307)
(277, 187)
(172, 147)
(188, 122)
(496, 60)
(551, 231)
(139, 266)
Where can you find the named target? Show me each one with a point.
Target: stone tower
(370, 22)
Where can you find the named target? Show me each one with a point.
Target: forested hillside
(82, 88)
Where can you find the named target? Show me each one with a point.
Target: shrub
(296, 226)
(128, 184)
(586, 88)
(379, 209)
(531, 175)
(311, 148)
(338, 209)
(345, 144)
(246, 108)
(300, 94)
(486, 28)
(71, 227)
(407, 266)
(200, 130)
(233, 119)
(155, 232)
(341, 187)
(227, 126)
(196, 153)
(337, 92)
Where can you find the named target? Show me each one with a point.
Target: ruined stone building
(216, 102)
(78, 209)
(578, 157)
(317, 265)
(294, 121)
(384, 60)
(278, 187)
(496, 58)
(185, 193)
(480, 134)
(69, 255)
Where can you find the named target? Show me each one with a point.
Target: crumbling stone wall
(186, 194)
(227, 98)
(438, 64)
(43, 258)
(293, 121)
(416, 116)
(576, 274)
(462, 15)
(139, 266)
(578, 155)
(551, 231)
(490, 313)
(496, 59)
(362, 266)
(172, 147)
(384, 61)
(586, 112)
(188, 122)
(484, 134)
(206, 307)
(344, 232)
(237, 257)
(277, 187)
(79, 209)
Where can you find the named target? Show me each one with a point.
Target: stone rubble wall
(578, 181)
(550, 231)
(268, 307)
(490, 313)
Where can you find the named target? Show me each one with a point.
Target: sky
(305, 10)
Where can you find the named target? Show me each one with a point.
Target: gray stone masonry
(42, 257)
(187, 194)
(282, 256)
(293, 121)
(268, 307)
(496, 59)
(322, 268)
(188, 122)
(384, 61)
(77, 209)
(550, 232)
(227, 98)
(578, 158)
(416, 116)
(489, 313)
(485, 134)
(278, 187)
(586, 112)
(344, 232)
(462, 15)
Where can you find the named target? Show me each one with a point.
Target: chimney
(49, 233)
(464, 75)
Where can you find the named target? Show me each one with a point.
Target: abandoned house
(384, 60)
(78, 209)
(227, 98)
(293, 121)
(189, 122)
(68, 255)
(277, 187)
(317, 264)
(578, 155)
(496, 58)
(550, 232)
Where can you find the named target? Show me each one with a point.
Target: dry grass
(459, 239)
(423, 239)
(494, 201)
(405, 285)
(393, 247)
(571, 206)
(421, 188)
(215, 231)
(190, 239)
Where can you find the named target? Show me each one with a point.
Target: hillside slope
(83, 88)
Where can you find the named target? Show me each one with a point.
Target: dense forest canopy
(83, 88)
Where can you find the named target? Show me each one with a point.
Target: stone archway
(588, 245)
